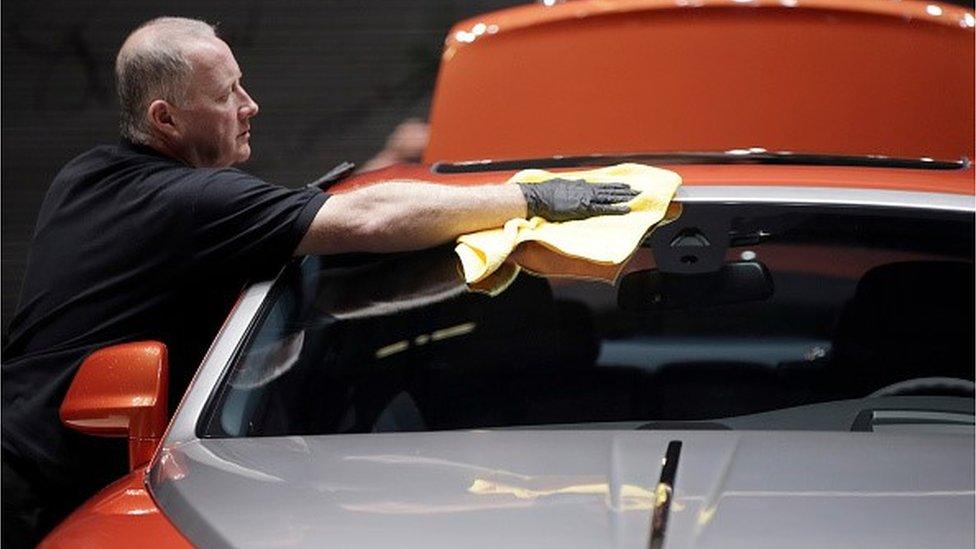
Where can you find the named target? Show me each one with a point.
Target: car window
(816, 305)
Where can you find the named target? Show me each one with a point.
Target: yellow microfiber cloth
(603, 240)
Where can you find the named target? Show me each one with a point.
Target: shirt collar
(143, 149)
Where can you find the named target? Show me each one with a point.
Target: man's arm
(401, 216)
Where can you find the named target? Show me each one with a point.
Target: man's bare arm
(402, 216)
(411, 215)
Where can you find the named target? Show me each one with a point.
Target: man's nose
(250, 107)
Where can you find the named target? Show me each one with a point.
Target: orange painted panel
(121, 515)
(822, 76)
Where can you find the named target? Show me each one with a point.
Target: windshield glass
(804, 305)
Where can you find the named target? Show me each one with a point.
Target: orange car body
(122, 515)
(853, 77)
(819, 76)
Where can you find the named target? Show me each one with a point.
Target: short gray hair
(152, 65)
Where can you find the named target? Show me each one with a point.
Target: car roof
(768, 177)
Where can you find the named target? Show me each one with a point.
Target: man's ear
(161, 118)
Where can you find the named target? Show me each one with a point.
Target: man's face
(214, 120)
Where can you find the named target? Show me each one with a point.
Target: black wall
(333, 79)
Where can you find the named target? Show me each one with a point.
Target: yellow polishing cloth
(604, 240)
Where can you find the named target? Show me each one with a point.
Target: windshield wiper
(738, 156)
(664, 495)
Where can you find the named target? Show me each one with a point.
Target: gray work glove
(568, 199)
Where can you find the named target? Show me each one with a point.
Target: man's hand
(568, 199)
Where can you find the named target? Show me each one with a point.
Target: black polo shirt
(131, 245)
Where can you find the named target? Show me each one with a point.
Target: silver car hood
(571, 489)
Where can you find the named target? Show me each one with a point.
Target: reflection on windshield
(810, 308)
(393, 285)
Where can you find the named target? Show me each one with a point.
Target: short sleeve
(243, 223)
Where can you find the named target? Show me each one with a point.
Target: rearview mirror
(120, 391)
(653, 290)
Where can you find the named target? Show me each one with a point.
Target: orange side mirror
(120, 391)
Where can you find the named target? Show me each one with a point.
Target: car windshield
(805, 305)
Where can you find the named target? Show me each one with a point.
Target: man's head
(180, 92)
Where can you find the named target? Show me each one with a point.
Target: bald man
(154, 237)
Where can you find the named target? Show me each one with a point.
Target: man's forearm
(400, 216)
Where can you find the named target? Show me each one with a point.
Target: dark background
(332, 78)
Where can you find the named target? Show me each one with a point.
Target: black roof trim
(744, 156)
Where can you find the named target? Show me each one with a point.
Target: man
(153, 238)
(405, 144)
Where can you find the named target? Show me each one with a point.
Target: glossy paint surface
(573, 489)
(121, 515)
(120, 391)
(826, 76)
